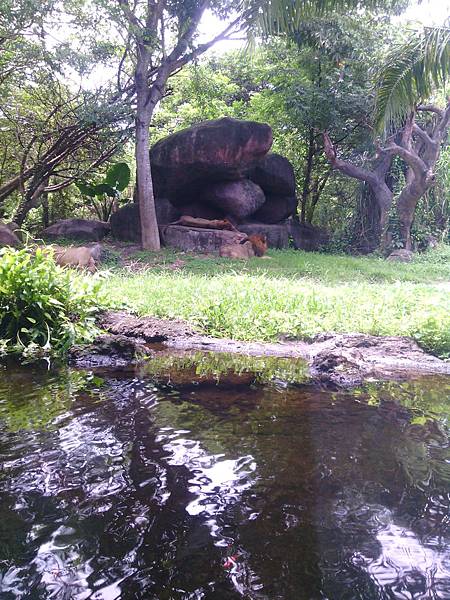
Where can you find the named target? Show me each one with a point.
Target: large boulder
(193, 239)
(77, 229)
(219, 150)
(277, 236)
(308, 237)
(238, 199)
(276, 209)
(7, 237)
(275, 175)
(126, 222)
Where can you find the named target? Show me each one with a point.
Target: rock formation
(213, 151)
(215, 170)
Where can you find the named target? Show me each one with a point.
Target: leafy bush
(44, 309)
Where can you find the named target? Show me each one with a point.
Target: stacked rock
(217, 169)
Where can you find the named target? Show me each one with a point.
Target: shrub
(44, 309)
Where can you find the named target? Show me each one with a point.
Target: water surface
(207, 479)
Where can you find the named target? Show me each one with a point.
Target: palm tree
(413, 70)
(286, 16)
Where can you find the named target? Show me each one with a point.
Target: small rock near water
(110, 351)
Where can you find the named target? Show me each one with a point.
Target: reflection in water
(123, 490)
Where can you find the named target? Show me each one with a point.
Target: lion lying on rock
(77, 256)
(188, 221)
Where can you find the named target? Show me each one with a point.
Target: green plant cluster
(44, 309)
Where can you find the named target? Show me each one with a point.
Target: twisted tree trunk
(375, 179)
(420, 150)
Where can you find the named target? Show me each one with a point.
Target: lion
(253, 245)
(188, 221)
(259, 244)
(77, 256)
(243, 250)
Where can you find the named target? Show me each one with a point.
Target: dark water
(154, 487)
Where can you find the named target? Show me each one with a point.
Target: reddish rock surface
(219, 150)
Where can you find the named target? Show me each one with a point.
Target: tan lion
(77, 256)
(244, 250)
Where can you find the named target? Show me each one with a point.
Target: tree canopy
(338, 81)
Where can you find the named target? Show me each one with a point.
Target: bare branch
(411, 159)
(345, 167)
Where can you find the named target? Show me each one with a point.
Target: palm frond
(285, 16)
(412, 71)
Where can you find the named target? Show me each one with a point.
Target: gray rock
(109, 351)
(77, 229)
(276, 209)
(307, 237)
(193, 239)
(239, 199)
(126, 223)
(277, 235)
(275, 175)
(7, 237)
(401, 255)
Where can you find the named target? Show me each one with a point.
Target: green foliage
(280, 17)
(44, 309)
(116, 180)
(118, 176)
(296, 295)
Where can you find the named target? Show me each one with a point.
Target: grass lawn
(293, 294)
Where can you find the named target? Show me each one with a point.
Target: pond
(214, 477)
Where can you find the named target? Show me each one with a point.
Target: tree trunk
(375, 179)
(32, 200)
(45, 213)
(146, 199)
(406, 208)
(307, 176)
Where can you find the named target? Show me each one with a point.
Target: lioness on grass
(77, 256)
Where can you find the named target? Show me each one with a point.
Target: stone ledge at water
(340, 360)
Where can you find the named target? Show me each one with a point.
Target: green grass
(294, 295)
